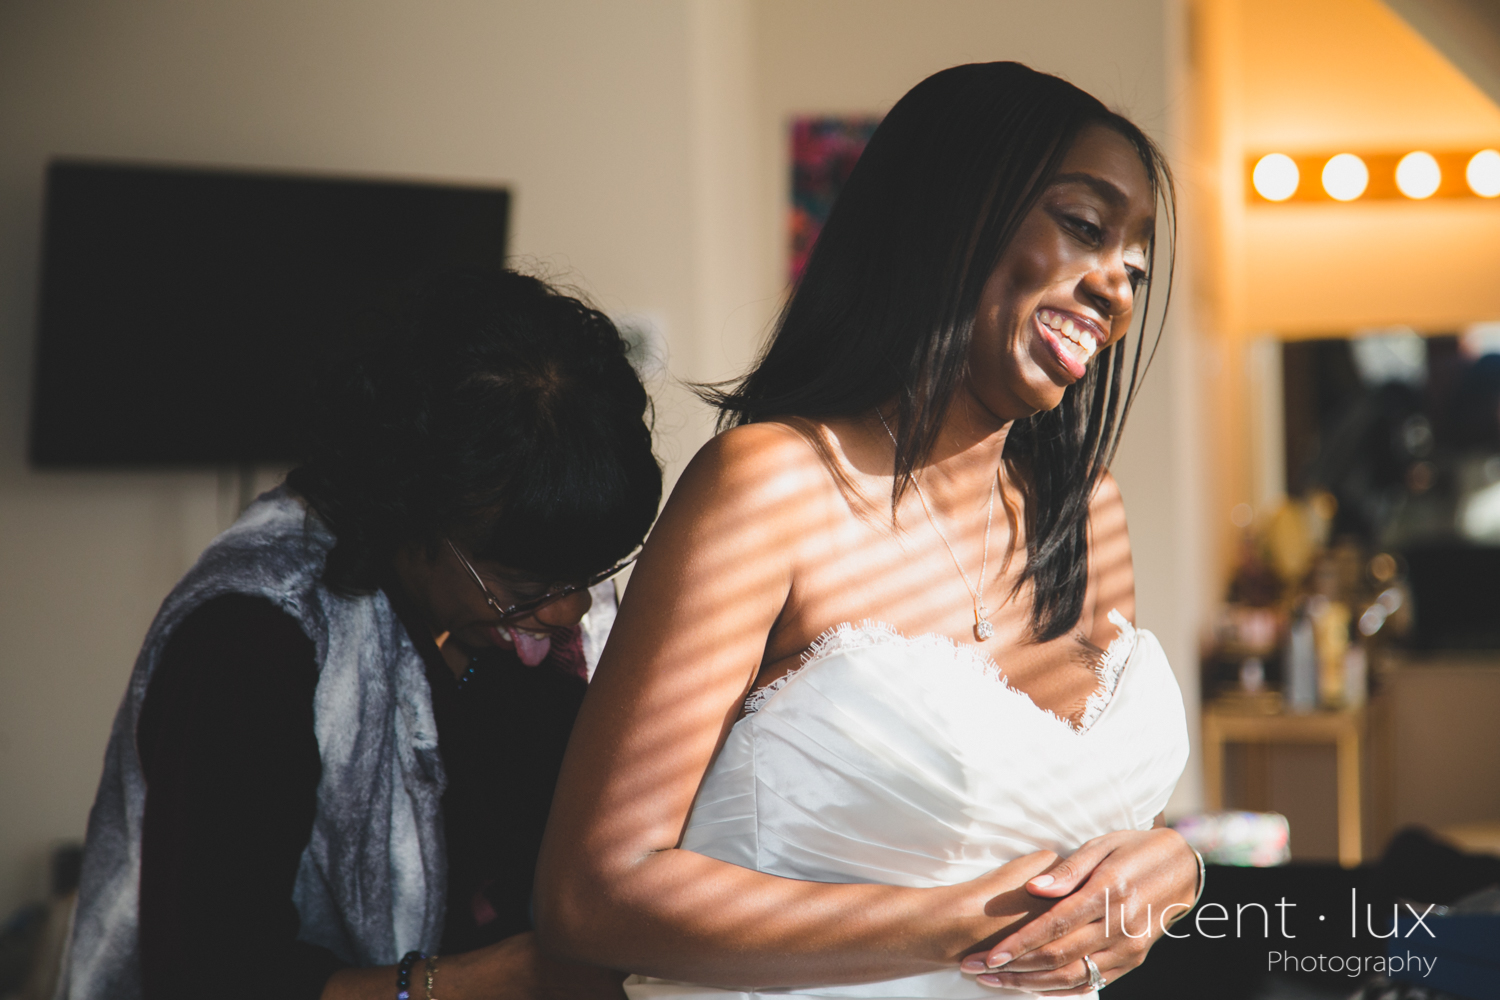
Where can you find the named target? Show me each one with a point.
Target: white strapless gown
(909, 761)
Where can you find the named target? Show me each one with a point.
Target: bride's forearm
(679, 915)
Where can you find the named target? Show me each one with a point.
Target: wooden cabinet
(1425, 751)
(1435, 733)
(1344, 729)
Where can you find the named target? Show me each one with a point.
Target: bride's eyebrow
(1107, 190)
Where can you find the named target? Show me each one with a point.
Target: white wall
(583, 108)
(643, 140)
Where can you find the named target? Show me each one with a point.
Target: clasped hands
(1149, 877)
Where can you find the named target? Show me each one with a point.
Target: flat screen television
(182, 311)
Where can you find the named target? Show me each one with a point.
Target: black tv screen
(182, 311)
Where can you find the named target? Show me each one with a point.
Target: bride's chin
(1036, 394)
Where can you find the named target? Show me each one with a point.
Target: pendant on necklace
(982, 628)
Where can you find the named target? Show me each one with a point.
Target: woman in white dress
(921, 455)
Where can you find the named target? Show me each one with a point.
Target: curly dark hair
(486, 406)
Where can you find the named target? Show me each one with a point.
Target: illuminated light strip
(1382, 187)
(1483, 173)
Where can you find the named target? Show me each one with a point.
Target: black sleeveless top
(232, 768)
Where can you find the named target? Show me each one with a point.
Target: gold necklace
(982, 627)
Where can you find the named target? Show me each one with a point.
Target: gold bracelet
(432, 964)
(1202, 882)
(1202, 877)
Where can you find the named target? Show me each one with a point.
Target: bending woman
(339, 744)
(921, 450)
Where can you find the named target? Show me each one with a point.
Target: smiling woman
(883, 815)
(338, 748)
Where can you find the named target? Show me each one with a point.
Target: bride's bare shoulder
(769, 464)
(748, 499)
(787, 438)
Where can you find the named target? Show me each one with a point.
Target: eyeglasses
(523, 608)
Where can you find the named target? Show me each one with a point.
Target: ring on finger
(1096, 978)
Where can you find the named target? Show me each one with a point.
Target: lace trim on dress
(868, 633)
(1109, 668)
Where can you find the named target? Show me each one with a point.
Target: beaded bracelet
(432, 964)
(403, 974)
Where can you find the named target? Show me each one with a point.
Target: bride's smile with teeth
(1065, 287)
(1074, 338)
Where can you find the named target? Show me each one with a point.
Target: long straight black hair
(885, 308)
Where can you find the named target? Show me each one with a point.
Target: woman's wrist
(993, 904)
(1198, 883)
(1201, 883)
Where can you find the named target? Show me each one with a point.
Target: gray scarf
(372, 881)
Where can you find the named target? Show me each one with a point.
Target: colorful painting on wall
(824, 150)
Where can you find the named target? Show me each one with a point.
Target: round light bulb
(1345, 177)
(1418, 175)
(1275, 177)
(1484, 173)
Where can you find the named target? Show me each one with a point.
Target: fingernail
(973, 965)
(1001, 959)
(1042, 881)
(989, 980)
